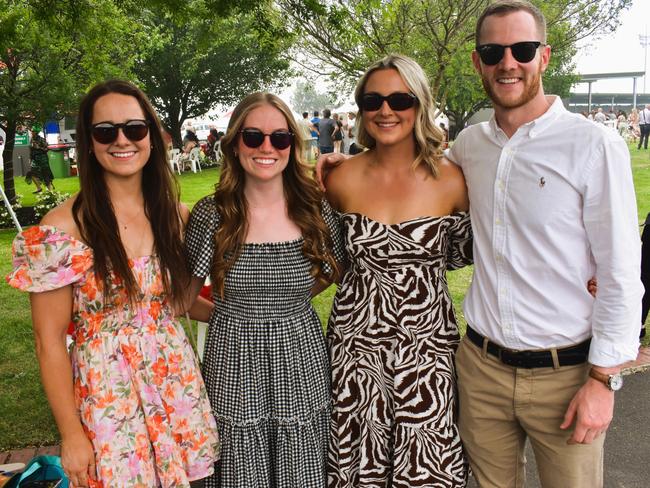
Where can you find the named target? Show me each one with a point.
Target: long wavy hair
(300, 190)
(428, 137)
(93, 210)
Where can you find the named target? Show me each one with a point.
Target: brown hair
(301, 192)
(504, 7)
(93, 210)
(428, 137)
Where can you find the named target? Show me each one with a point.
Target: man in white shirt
(644, 126)
(552, 204)
(600, 117)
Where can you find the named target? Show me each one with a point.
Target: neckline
(72, 238)
(274, 243)
(459, 213)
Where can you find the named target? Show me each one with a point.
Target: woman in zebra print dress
(392, 332)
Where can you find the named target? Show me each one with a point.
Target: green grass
(26, 419)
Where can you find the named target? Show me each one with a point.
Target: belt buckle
(512, 357)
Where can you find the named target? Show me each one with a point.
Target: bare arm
(51, 313)
(200, 308)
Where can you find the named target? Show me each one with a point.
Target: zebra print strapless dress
(392, 336)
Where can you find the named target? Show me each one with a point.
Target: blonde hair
(428, 137)
(301, 192)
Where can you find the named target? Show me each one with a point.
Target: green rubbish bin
(58, 164)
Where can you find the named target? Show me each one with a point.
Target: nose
(385, 108)
(121, 138)
(508, 61)
(266, 144)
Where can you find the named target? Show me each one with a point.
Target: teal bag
(40, 472)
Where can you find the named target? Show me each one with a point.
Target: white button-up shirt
(551, 207)
(644, 116)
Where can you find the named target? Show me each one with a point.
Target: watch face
(615, 382)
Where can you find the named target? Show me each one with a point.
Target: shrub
(47, 200)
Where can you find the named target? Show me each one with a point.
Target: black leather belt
(566, 356)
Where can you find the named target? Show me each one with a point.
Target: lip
(265, 162)
(386, 124)
(123, 155)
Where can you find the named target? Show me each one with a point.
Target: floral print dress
(137, 385)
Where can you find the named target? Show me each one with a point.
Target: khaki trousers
(501, 406)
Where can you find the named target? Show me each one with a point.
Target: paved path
(627, 448)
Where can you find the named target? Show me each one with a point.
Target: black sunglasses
(523, 52)
(280, 139)
(134, 130)
(397, 101)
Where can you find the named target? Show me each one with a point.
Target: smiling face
(263, 163)
(509, 83)
(387, 126)
(123, 157)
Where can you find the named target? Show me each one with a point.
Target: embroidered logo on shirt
(542, 182)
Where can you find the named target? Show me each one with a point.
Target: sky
(618, 52)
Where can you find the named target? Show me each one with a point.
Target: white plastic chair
(218, 154)
(173, 156)
(195, 159)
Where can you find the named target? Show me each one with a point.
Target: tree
(305, 98)
(202, 61)
(341, 38)
(50, 56)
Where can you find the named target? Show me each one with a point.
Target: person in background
(644, 127)
(128, 400)
(445, 132)
(39, 171)
(190, 141)
(349, 132)
(306, 128)
(315, 132)
(269, 242)
(337, 137)
(326, 127)
(552, 204)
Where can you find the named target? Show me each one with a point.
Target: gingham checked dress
(266, 365)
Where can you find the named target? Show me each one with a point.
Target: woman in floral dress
(129, 401)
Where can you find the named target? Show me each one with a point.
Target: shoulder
(184, 213)
(342, 179)
(454, 184)
(62, 218)
(205, 210)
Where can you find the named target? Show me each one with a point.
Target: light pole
(645, 42)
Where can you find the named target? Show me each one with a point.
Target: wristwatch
(612, 381)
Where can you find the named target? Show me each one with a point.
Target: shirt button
(500, 185)
(498, 221)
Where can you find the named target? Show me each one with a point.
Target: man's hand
(592, 408)
(324, 164)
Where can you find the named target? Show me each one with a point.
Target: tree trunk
(175, 130)
(8, 156)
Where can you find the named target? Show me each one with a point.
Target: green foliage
(340, 39)
(47, 200)
(204, 61)
(51, 53)
(305, 98)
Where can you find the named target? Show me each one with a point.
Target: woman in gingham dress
(269, 242)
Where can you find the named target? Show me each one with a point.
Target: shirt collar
(536, 126)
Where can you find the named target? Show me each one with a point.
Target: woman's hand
(78, 460)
